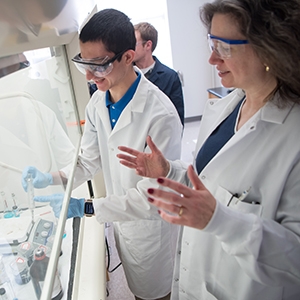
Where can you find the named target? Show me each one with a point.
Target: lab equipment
(26, 250)
(7, 213)
(3, 295)
(5, 284)
(38, 271)
(15, 208)
(30, 195)
(41, 232)
(20, 270)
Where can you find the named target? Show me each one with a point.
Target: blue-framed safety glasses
(222, 46)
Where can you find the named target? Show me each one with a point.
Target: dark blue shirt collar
(115, 109)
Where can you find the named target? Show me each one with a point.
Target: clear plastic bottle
(20, 270)
(38, 271)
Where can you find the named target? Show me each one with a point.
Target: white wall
(190, 53)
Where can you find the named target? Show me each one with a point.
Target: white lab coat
(248, 250)
(146, 247)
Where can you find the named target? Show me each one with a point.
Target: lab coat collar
(217, 110)
(138, 101)
(270, 112)
(274, 114)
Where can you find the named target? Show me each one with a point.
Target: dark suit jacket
(167, 80)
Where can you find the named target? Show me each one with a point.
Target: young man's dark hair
(113, 28)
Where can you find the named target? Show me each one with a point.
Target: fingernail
(150, 191)
(150, 200)
(159, 212)
(160, 180)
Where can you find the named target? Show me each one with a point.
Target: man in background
(166, 79)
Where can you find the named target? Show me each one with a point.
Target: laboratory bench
(218, 92)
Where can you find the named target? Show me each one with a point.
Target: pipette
(30, 195)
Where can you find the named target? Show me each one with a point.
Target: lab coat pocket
(250, 208)
(225, 197)
(142, 238)
(228, 199)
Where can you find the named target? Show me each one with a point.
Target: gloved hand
(39, 180)
(76, 206)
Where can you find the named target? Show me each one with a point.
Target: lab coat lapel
(124, 120)
(103, 114)
(216, 111)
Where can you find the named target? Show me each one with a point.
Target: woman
(241, 209)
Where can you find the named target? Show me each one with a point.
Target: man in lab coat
(124, 110)
(162, 76)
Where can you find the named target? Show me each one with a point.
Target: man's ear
(148, 45)
(129, 56)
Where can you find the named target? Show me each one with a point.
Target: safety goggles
(99, 67)
(223, 47)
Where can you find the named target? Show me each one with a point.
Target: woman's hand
(151, 165)
(189, 207)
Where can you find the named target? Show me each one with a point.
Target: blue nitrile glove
(76, 206)
(39, 180)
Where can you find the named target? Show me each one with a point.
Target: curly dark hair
(273, 29)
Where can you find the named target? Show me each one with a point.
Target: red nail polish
(160, 180)
(159, 212)
(150, 191)
(150, 200)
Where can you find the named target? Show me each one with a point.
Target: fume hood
(42, 101)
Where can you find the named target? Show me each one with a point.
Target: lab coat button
(184, 269)
(211, 102)
(203, 177)
(252, 127)
(187, 243)
(176, 279)
(179, 252)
